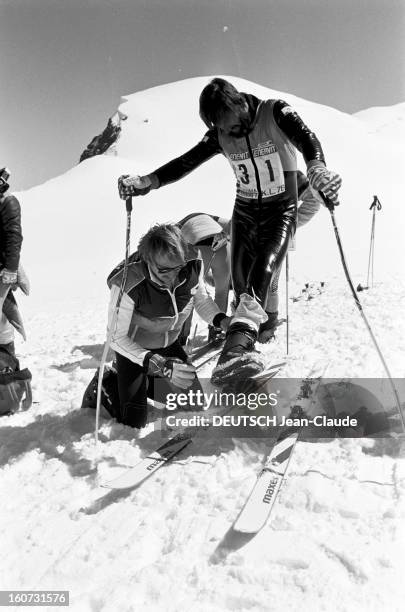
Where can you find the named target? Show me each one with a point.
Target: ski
(257, 509)
(268, 371)
(204, 350)
(205, 353)
(134, 476)
(145, 468)
(203, 357)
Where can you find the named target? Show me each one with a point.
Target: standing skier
(258, 139)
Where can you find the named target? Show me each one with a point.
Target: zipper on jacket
(176, 310)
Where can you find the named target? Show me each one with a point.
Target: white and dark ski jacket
(151, 316)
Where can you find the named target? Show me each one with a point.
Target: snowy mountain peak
(85, 218)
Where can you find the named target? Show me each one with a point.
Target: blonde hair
(165, 239)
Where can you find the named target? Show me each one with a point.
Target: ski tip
(250, 524)
(271, 371)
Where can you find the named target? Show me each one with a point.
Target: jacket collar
(254, 106)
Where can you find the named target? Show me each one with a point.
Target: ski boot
(238, 359)
(109, 401)
(267, 329)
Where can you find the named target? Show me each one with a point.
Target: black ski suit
(264, 163)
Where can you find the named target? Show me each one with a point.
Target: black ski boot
(267, 329)
(238, 358)
(215, 334)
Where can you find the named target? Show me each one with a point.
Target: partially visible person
(10, 249)
(13, 381)
(210, 234)
(163, 284)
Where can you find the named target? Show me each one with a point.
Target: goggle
(172, 269)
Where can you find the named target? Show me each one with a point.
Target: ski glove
(8, 277)
(219, 241)
(327, 181)
(133, 186)
(215, 334)
(179, 373)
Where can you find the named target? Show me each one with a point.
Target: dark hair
(162, 238)
(218, 97)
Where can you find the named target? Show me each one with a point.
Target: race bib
(269, 167)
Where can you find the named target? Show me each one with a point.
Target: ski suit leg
(267, 329)
(132, 389)
(272, 293)
(221, 273)
(260, 238)
(243, 247)
(135, 386)
(275, 229)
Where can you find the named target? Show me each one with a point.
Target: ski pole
(376, 205)
(331, 207)
(128, 206)
(287, 277)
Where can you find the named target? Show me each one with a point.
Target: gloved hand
(133, 186)
(179, 373)
(219, 327)
(8, 277)
(219, 241)
(215, 333)
(327, 181)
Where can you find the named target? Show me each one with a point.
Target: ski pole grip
(128, 204)
(328, 203)
(376, 204)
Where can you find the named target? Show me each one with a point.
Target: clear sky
(64, 64)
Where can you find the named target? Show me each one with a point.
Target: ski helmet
(200, 227)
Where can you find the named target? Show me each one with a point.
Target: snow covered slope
(336, 539)
(74, 224)
(387, 122)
